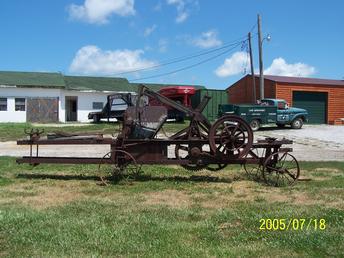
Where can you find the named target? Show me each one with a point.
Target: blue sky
(107, 37)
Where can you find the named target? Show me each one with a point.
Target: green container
(217, 97)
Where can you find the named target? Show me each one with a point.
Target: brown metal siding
(335, 105)
(242, 92)
(237, 93)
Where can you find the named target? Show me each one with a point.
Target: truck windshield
(282, 105)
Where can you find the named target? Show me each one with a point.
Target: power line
(234, 43)
(187, 57)
(190, 66)
(253, 27)
(245, 48)
(181, 59)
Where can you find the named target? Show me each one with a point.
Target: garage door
(42, 110)
(314, 102)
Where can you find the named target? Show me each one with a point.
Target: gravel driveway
(312, 143)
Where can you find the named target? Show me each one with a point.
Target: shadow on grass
(130, 178)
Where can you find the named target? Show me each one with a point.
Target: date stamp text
(294, 224)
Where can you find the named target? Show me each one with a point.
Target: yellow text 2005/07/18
(273, 224)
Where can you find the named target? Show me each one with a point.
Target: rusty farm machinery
(201, 145)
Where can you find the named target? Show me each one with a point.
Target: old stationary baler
(201, 145)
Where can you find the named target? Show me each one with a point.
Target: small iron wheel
(231, 136)
(254, 170)
(216, 167)
(281, 169)
(118, 164)
(182, 152)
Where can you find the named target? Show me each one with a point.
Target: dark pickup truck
(268, 111)
(115, 107)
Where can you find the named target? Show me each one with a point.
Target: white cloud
(182, 16)
(157, 7)
(99, 11)
(207, 39)
(149, 30)
(93, 60)
(183, 8)
(233, 65)
(162, 44)
(280, 67)
(239, 62)
(148, 48)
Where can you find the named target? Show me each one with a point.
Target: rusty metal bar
(66, 141)
(90, 160)
(59, 160)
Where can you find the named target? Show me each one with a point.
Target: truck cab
(287, 115)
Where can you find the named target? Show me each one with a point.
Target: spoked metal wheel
(231, 136)
(254, 170)
(182, 152)
(116, 165)
(281, 169)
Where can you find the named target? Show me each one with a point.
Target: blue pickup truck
(268, 111)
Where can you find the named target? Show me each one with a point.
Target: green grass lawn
(61, 210)
(15, 131)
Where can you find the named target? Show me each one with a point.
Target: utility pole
(261, 69)
(252, 69)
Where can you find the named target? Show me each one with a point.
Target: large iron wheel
(281, 169)
(254, 170)
(231, 136)
(117, 164)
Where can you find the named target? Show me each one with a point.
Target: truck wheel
(255, 124)
(96, 119)
(297, 123)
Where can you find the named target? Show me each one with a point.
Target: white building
(52, 97)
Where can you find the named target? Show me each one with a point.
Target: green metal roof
(31, 79)
(98, 83)
(78, 83)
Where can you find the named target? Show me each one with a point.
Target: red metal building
(324, 99)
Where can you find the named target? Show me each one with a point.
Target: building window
(3, 104)
(19, 104)
(97, 105)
